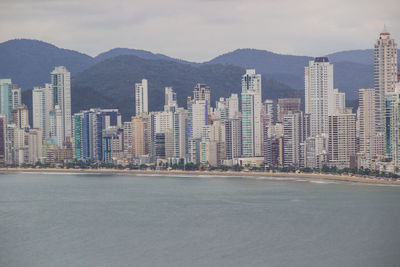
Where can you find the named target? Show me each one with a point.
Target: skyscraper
(269, 109)
(20, 116)
(293, 127)
(56, 126)
(319, 100)
(61, 82)
(367, 122)
(141, 97)
(179, 133)
(5, 97)
(233, 106)
(385, 76)
(16, 96)
(340, 101)
(395, 134)
(251, 114)
(233, 138)
(3, 135)
(197, 117)
(342, 139)
(42, 104)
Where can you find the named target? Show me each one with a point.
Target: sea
(73, 219)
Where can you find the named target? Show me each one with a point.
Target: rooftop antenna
(384, 28)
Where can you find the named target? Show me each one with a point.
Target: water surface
(138, 220)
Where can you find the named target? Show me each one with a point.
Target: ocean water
(155, 220)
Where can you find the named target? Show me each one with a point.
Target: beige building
(141, 142)
(367, 125)
(342, 139)
(20, 116)
(385, 79)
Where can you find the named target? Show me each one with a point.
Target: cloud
(201, 29)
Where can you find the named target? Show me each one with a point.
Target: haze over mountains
(109, 78)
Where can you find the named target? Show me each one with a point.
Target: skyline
(283, 28)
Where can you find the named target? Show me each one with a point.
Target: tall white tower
(61, 82)
(385, 77)
(251, 114)
(42, 104)
(141, 97)
(319, 94)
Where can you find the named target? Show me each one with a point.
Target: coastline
(306, 176)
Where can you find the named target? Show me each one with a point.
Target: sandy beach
(311, 176)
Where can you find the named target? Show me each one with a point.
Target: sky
(199, 30)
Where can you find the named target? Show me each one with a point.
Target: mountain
(265, 62)
(29, 62)
(350, 72)
(112, 83)
(365, 56)
(135, 52)
(362, 56)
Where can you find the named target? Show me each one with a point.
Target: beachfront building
(42, 104)
(385, 78)
(251, 114)
(5, 97)
(342, 139)
(61, 83)
(319, 99)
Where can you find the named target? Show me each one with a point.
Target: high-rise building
(56, 126)
(197, 117)
(319, 100)
(159, 145)
(395, 134)
(128, 140)
(141, 142)
(202, 92)
(251, 114)
(88, 126)
(233, 138)
(3, 137)
(367, 123)
(113, 144)
(61, 82)
(34, 138)
(315, 151)
(16, 96)
(170, 99)
(161, 122)
(390, 99)
(233, 106)
(20, 116)
(141, 97)
(293, 136)
(342, 139)
(179, 133)
(385, 74)
(221, 108)
(42, 104)
(340, 101)
(5, 97)
(286, 105)
(268, 106)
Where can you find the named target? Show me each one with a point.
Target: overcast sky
(199, 30)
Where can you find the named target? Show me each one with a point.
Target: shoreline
(306, 176)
